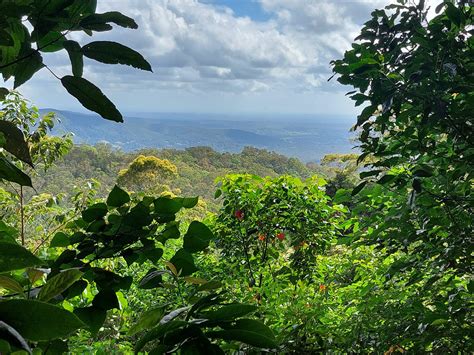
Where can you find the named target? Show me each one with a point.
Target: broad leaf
(197, 237)
(27, 67)
(249, 331)
(37, 320)
(147, 320)
(15, 141)
(117, 197)
(113, 16)
(75, 56)
(91, 97)
(229, 312)
(184, 263)
(10, 284)
(15, 257)
(58, 284)
(10, 172)
(115, 53)
(92, 316)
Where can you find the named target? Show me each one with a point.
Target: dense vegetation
(367, 253)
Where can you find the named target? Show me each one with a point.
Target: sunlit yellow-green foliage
(148, 173)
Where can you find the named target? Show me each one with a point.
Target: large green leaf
(91, 97)
(153, 279)
(58, 284)
(249, 331)
(158, 332)
(37, 320)
(94, 212)
(113, 16)
(184, 263)
(117, 197)
(27, 67)
(147, 320)
(115, 53)
(15, 257)
(94, 317)
(229, 312)
(75, 56)
(10, 172)
(15, 141)
(197, 237)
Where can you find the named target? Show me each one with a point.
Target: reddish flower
(239, 215)
(261, 237)
(322, 288)
(281, 236)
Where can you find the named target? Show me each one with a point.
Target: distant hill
(305, 137)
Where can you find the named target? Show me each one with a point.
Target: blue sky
(221, 56)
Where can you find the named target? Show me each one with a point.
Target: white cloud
(197, 47)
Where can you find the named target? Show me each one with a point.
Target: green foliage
(47, 26)
(416, 202)
(264, 218)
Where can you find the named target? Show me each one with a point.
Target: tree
(32, 27)
(415, 77)
(148, 173)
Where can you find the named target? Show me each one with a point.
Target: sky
(220, 56)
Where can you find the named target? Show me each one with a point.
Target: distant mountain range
(308, 138)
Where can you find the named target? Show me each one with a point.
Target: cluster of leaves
(415, 77)
(46, 25)
(262, 218)
(135, 231)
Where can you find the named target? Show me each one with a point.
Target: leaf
(3, 93)
(188, 202)
(112, 16)
(15, 257)
(249, 331)
(166, 205)
(147, 320)
(184, 263)
(115, 53)
(197, 237)
(37, 320)
(453, 13)
(12, 333)
(75, 56)
(229, 312)
(195, 280)
(10, 284)
(211, 285)
(91, 97)
(106, 299)
(117, 197)
(153, 279)
(94, 212)
(15, 141)
(158, 332)
(53, 41)
(60, 239)
(10, 172)
(58, 284)
(26, 68)
(92, 316)
(154, 254)
(358, 188)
